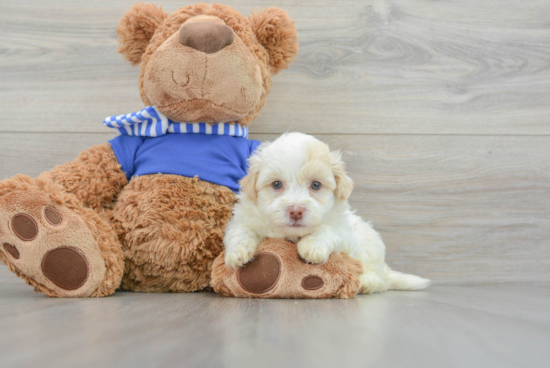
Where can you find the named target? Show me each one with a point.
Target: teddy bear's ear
(135, 29)
(276, 32)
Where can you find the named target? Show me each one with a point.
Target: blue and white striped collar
(150, 122)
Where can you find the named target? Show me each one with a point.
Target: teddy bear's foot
(277, 271)
(56, 249)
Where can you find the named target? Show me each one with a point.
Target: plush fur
(172, 230)
(340, 275)
(276, 33)
(297, 189)
(156, 233)
(136, 28)
(244, 32)
(86, 229)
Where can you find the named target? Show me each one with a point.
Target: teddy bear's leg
(56, 244)
(277, 271)
(50, 237)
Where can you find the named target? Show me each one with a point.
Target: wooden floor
(445, 326)
(442, 111)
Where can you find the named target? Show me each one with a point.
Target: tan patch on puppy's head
(319, 159)
(344, 184)
(248, 183)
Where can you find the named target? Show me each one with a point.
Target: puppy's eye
(277, 185)
(315, 185)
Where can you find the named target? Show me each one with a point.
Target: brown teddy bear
(147, 211)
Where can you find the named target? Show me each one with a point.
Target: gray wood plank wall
(441, 109)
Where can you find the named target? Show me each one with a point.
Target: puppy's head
(295, 182)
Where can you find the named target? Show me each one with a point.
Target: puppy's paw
(240, 253)
(313, 251)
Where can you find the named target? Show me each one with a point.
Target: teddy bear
(146, 211)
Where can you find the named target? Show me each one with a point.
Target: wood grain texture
(457, 209)
(467, 326)
(365, 66)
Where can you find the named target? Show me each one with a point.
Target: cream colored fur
(328, 223)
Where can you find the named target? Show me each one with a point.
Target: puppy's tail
(403, 281)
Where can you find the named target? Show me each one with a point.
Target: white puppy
(297, 189)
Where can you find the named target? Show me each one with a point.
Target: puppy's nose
(206, 37)
(296, 212)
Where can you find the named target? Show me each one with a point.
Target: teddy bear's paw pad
(24, 227)
(66, 267)
(312, 282)
(12, 250)
(50, 244)
(261, 274)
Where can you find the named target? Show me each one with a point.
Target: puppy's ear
(248, 183)
(276, 32)
(135, 29)
(344, 184)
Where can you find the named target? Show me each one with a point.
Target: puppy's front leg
(317, 247)
(240, 244)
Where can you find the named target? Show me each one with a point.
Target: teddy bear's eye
(315, 185)
(277, 184)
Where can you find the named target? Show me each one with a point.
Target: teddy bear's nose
(206, 37)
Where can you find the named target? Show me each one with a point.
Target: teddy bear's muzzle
(206, 37)
(203, 73)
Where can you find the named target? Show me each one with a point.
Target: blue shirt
(218, 159)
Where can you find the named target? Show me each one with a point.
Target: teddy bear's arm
(94, 176)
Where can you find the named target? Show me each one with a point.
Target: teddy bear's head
(206, 63)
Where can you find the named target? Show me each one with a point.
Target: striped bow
(150, 122)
